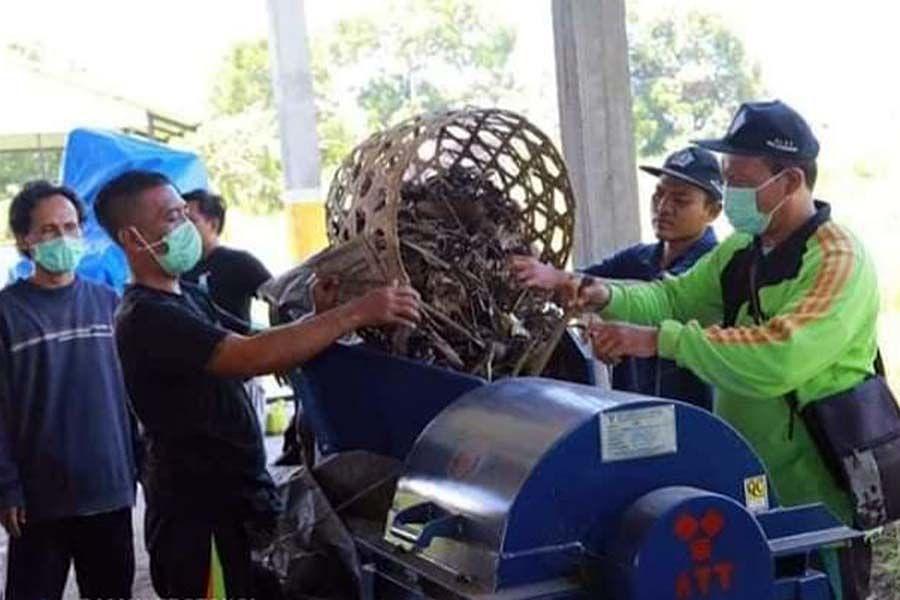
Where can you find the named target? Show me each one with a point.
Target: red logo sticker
(699, 536)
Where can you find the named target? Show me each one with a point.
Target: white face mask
(742, 210)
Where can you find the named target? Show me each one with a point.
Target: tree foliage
(239, 143)
(424, 55)
(243, 82)
(369, 72)
(689, 73)
(19, 167)
(242, 157)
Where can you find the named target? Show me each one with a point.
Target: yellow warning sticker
(756, 493)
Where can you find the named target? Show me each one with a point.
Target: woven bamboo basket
(495, 147)
(500, 145)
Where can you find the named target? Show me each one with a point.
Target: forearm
(646, 304)
(284, 347)
(753, 361)
(592, 292)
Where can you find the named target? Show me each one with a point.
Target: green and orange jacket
(816, 336)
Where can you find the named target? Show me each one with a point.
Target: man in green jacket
(779, 315)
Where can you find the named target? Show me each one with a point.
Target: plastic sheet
(311, 553)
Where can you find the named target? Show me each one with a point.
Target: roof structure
(40, 105)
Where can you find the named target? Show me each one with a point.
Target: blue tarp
(91, 158)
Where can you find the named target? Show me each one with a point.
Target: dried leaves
(457, 232)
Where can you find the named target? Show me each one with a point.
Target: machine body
(534, 488)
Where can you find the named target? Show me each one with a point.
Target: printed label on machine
(756, 493)
(638, 433)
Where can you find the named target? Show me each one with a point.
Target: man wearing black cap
(779, 317)
(688, 197)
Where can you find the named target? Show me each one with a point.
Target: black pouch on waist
(858, 434)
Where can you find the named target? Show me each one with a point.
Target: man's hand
(583, 293)
(614, 340)
(575, 293)
(325, 293)
(13, 520)
(286, 346)
(391, 305)
(532, 273)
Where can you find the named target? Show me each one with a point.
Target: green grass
(886, 567)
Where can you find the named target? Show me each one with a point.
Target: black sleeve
(193, 276)
(232, 322)
(203, 302)
(173, 338)
(253, 273)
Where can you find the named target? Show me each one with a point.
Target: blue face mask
(742, 211)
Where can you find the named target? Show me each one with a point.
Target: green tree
(244, 81)
(422, 55)
(689, 73)
(369, 72)
(18, 167)
(240, 142)
(242, 157)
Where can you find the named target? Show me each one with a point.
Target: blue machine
(356, 398)
(348, 411)
(534, 488)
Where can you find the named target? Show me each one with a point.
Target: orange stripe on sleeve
(834, 272)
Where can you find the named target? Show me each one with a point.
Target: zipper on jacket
(792, 406)
(755, 307)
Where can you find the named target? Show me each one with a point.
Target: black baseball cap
(767, 129)
(692, 165)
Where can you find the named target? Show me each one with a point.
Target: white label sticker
(756, 493)
(638, 433)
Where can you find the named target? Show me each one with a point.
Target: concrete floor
(143, 590)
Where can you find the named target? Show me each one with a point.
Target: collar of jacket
(701, 246)
(781, 264)
(796, 242)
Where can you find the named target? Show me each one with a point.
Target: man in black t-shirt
(231, 276)
(205, 476)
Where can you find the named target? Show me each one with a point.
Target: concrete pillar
(596, 122)
(292, 80)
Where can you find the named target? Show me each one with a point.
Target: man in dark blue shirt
(687, 199)
(67, 465)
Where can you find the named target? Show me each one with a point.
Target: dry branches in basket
(447, 199)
